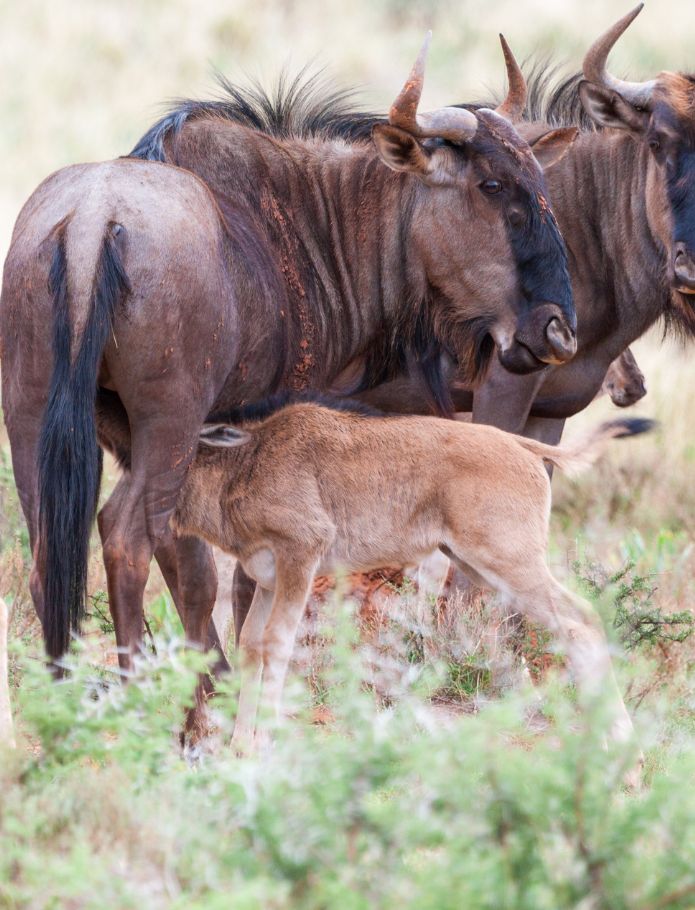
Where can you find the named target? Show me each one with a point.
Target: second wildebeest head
(485, 192)
(661, 114)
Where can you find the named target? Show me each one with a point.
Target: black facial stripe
(541, 258)
(537, 243)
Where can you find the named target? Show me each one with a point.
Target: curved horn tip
(594, 64)
(514, 104)
(507, 52)
(633, 14)
(419, 65)
(426, 43)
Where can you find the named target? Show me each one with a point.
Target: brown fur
(624, 381)
(374, 491)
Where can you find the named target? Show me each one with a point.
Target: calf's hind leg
(540, 597)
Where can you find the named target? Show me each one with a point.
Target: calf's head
(661, 114)
(493, 256)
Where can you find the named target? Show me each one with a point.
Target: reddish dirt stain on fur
(301, 371)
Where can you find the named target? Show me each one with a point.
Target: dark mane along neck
(301, 107)
(618, 266)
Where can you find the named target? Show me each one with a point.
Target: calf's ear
(553, 146)
(222, 436)
(608, 108)
(401, 151)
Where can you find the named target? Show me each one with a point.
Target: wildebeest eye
(654, 144)
(491, 187)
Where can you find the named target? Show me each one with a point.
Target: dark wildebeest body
(101, 253)
(309, 255)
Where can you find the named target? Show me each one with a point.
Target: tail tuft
(633, 426)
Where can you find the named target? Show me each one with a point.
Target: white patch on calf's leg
(261, 567)
(289, 602)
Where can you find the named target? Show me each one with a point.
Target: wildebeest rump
(131, 281)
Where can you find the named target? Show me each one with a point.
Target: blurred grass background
(83, 79)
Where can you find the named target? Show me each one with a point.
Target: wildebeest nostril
(562, 340)
(684, 267)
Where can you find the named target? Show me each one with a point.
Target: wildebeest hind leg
(23, 431)
(175, 563)
(135, 520)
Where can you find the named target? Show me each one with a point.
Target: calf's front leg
(266, 644)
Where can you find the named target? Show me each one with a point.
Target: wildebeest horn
(514, 104)
(452, 123)
(594, 66)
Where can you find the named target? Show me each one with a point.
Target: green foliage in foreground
(638, 621)
(383, 809)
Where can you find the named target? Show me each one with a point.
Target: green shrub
(387, 808)
(636, 618)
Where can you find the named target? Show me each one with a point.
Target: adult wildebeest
(624, 195)
(295, 489)
(625, 200)
(166, 298)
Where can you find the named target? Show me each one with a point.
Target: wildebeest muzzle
(542, 337)
(683, 269)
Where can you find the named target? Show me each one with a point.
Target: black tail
(630, 426)
(69, 456)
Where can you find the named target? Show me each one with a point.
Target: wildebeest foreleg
(503, 400)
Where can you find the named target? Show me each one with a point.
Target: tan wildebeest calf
(305, 489)
(6, 729)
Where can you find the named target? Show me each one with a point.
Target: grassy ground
(432, 760)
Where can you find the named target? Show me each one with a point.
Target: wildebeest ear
(400, 150)
(223, 436)
(553, 146)
(608, 108)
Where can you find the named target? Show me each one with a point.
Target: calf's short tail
(577, 456)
